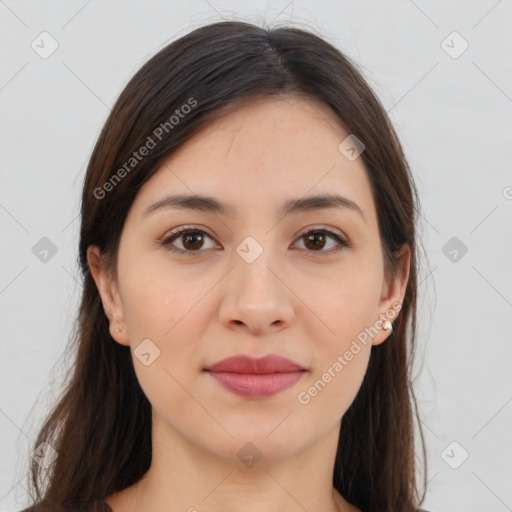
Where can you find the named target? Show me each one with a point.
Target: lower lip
(252, 385)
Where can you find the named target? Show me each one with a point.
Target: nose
(257, 297)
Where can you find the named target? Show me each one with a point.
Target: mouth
(251, 377)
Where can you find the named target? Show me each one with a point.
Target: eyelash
(167, 241)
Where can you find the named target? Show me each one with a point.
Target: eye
(192, 241)
(316, 238)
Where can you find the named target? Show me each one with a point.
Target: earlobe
(119, 334)
(384, 327)
(112, 306)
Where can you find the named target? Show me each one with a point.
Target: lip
(248, 364)
(252, 377)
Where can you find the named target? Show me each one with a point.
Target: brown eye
(192, 241)
(317, 239)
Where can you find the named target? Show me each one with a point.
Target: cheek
(360, 288)
(158, 300)
(335, 383)
(347, 306)
(344, 301)
(168, 312)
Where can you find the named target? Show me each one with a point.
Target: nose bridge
(254, 266)
(256, 296)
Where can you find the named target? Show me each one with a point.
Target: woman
(249, 256)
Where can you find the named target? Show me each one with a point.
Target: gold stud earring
(387, 325)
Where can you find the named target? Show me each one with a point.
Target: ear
(393, 293)
(108, 290)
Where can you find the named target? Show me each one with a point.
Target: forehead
(265, 151)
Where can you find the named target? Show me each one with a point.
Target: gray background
(452, 111)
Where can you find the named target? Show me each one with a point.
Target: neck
(185, 477)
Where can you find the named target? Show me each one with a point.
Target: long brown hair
(101, 425)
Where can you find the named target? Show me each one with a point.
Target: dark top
(96, 506)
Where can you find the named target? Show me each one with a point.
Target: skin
(299, 301)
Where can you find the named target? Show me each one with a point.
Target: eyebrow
(213, 205)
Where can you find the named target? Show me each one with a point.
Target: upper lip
(248, 364)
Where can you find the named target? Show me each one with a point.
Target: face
(253, 280)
